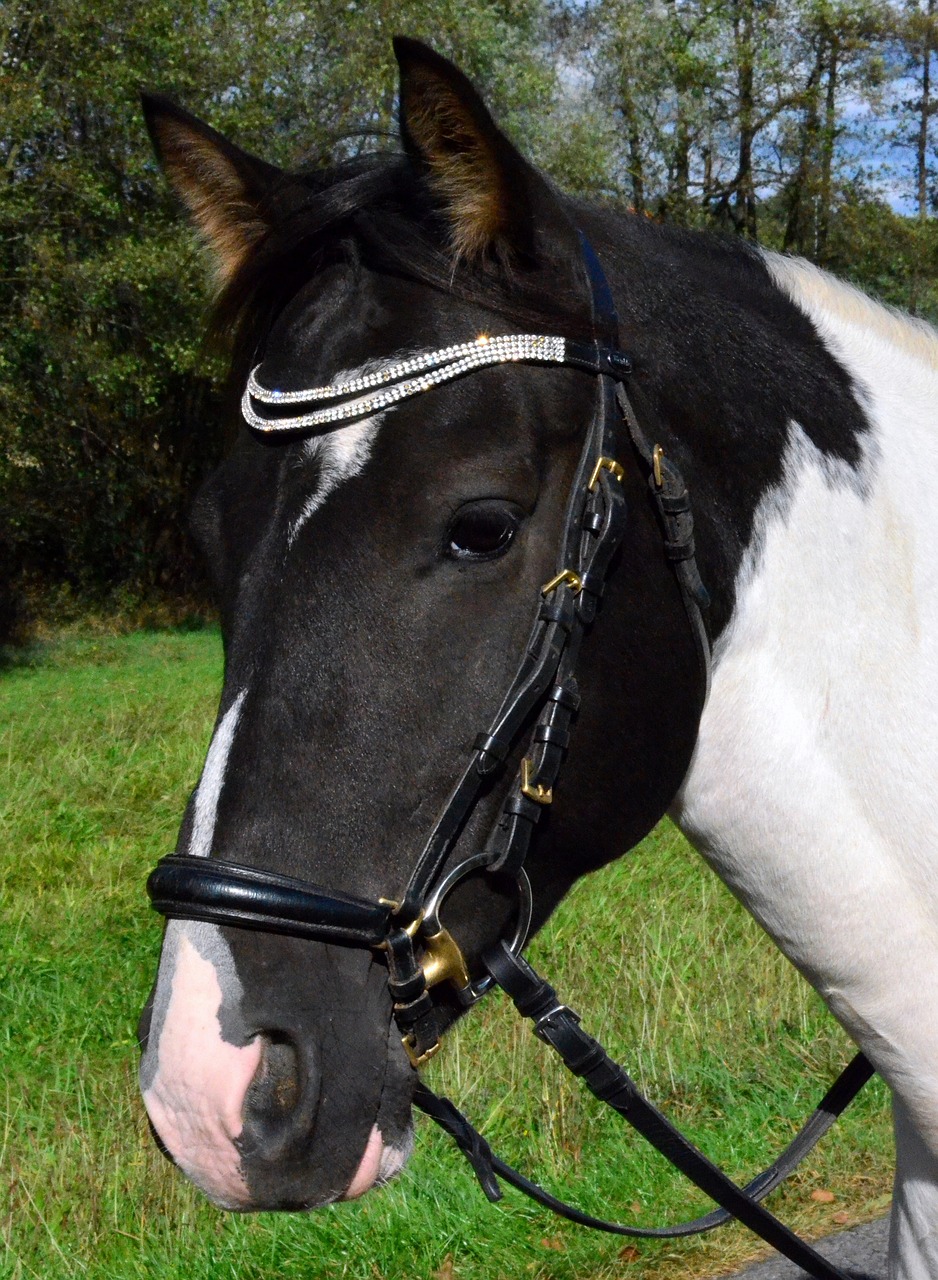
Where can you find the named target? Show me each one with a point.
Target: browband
(375, 390)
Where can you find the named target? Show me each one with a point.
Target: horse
(376, 538)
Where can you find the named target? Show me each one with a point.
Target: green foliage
(106, 416)
(893, 257)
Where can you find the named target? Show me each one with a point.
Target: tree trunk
(634, 139)
(679, 169)
(800, 217)
(825, 193)
(745, 182)
(921, 153)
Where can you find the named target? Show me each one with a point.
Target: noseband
(419, 950)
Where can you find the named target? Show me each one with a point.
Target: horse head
(378, 574)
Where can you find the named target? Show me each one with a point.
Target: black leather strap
(559, 1026)
(593, 357)
(489, 1167)
(675, 516)
(188, 888)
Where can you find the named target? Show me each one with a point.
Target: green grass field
(100, 741)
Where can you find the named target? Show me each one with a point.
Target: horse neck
(744, 389)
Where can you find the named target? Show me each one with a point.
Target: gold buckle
(418, 1059)
(656, 456)
(605, 464)
(411, 930)
(539, 794)
(442, 961)
(566, 576)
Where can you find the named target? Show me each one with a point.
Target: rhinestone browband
(370, 393)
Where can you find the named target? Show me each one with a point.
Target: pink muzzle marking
(197, 1097)
(367, 1173)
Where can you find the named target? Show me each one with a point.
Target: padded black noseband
(421, 953)
(225, 893)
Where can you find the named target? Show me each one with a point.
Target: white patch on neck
(212, 780)
(833, 304)
(833, 477)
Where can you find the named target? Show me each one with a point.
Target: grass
(100, 739)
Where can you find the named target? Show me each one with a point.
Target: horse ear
(226, 191)
(492, 198)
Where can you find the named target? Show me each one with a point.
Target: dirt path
(861, 1252)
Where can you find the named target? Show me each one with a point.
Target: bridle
(420, 952)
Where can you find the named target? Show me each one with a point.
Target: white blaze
(194, 1081)
(341, 454)
(212, 781)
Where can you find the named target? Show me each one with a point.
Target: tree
(917, 28)
(840, 55)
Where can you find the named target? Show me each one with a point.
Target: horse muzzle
(272, 1074)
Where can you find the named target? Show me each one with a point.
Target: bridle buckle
(656, 456)
(568, 578)
(442, 961)
(605, 464)
(534, 791)
(418, 1059)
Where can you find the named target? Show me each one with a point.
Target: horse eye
(482, 530)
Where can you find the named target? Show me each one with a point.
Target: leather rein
(420, 952)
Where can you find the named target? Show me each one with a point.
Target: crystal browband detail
(370, 393)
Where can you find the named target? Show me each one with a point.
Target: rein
(419, 950)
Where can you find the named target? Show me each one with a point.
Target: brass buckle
(605, 464)
(441, 961)
(566, 576)
(539, 794)
(418, 1059)
(656, 456)
(411, 929)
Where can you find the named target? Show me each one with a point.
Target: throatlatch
(419, 950)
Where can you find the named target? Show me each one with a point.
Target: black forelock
(374, 212)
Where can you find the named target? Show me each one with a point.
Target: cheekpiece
(369, 393)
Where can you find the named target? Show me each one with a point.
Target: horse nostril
(281, 1102)
(277, 1087)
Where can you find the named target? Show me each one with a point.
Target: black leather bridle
(419, 950)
